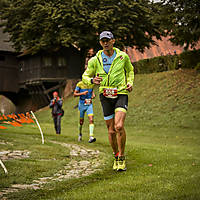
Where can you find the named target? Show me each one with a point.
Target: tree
(37, 25)
(182, 20)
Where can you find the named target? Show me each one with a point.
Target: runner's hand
(129, 87)
(85, 92)
(97, 80)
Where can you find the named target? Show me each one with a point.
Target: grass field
(163, 147)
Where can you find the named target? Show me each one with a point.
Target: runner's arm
(77, 93)
(51, 103)
(129, 71)
(93, 94)
(89, 72)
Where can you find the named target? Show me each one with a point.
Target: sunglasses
(105, 40)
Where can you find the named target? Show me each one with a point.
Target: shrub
(197, 68)
(188, 59)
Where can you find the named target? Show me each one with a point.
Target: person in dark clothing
(57, 112)
(179, 64)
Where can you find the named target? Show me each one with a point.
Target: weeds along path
(83, 163)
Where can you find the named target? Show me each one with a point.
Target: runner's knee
(119, 127)
(91, 121)
(111, 132)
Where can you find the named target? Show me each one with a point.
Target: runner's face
(107, 44)
(55, 95)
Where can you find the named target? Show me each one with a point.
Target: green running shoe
(116, 157)
(115, 164)
(121, 164)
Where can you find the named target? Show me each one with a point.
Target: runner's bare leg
(121, 134)
(112, 135)
(91, 119)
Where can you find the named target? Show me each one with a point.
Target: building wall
(29, 68)
(76, 64)
(29, 80)
(62, 64)
(8, 72)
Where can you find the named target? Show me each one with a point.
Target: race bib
(88, 101)
(110, 92)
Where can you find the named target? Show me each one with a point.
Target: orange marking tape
(14, 123)
(5, 117)
(3, 127)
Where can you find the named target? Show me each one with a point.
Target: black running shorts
(110, 106)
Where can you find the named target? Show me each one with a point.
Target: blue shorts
(85, 108)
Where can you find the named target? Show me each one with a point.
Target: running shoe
(115, 163)
(92, 139)
(80, 137)
(121, 164)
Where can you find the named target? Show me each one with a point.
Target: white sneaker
(92, 139)
(80, 138)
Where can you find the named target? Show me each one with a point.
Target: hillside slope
(162, 151)
(166, 99)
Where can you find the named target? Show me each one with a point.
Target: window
(61, 61)
(21, 66)
(47, 61)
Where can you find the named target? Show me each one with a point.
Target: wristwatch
(91, 80)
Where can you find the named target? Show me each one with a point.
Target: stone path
(7, 155)
(4, 142)
(83, 163)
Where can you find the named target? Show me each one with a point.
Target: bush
(197, 68)
(188, 59)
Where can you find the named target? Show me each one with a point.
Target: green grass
(163, 146)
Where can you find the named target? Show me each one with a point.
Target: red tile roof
(163, 47)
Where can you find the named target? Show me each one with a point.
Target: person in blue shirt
(86, 95)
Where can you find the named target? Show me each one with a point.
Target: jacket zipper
(108, 72)
(125, 77)
(102, 67)
(111, 67)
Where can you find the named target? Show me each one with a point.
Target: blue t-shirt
(81, 87)
(107, 61)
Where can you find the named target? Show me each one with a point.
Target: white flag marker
(6, 171)
(38, 126)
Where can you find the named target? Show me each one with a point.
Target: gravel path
(87, 163)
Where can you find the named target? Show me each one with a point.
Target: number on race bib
(110, 92)
(88, 101)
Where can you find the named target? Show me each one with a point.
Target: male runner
(112, 70)
(86, 95)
